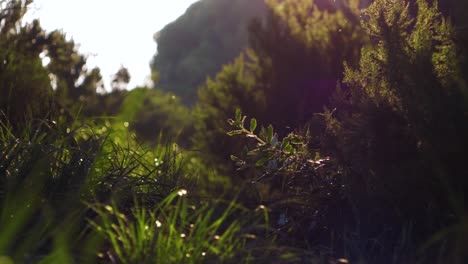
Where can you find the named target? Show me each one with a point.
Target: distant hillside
(210, 34)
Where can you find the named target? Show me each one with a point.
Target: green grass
(49, 171)
(176, 231)
(73, 193)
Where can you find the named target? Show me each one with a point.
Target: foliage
(43, 173)
(232, 88)
(399, 129)
(159, 115)
(301, 49)
(25, 87)
(50, 167)
(281, 84)
(303, 190)
(120, 79)
(28, 84)
(396, 137)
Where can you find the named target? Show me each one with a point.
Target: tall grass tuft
(42, 171)
(176, 231)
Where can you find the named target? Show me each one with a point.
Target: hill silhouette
(211, 33)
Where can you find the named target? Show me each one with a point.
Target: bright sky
(111, 32)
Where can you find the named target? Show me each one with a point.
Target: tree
(288, 75)
(301, 50)
(233, 88)
(24, 83)
(120, 79)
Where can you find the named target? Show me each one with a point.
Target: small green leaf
(296, 140)
(269, 134)
(261, 161)
(234, 158)
(285, 143)
(253, 152)
(289, 149)
(253, 124)
(234, 132)
(238, 114)
(290, 256)
(244, 151)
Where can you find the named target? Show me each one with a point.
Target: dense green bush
(232, 88)
(301, 49)
(24, 84)
(304, 191)
(400, 121)
(287, 76)
(397, 141)
(159, 114)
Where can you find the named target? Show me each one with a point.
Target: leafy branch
(268, 148)
(302, 184)
(287, 156)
